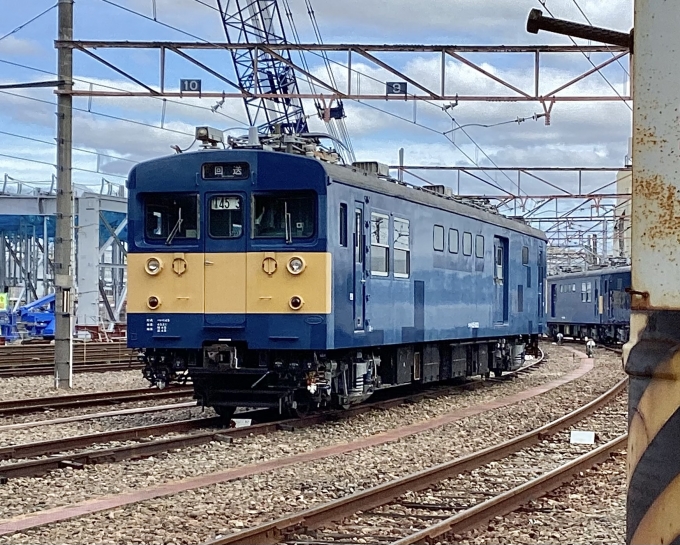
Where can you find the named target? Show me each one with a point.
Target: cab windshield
(170, 217)
(286, 216)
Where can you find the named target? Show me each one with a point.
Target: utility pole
(63, 243)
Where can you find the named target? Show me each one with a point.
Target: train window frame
(478, 254)
(166, 236)
(438, 238)
(525, 255)
(287, 235)
(401, 246)
(380, 246)
(210, 216)
(586, 292)
(467, 243)
(343, 216)
(454, 249)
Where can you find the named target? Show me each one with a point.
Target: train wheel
(303, 405)
(225, 413)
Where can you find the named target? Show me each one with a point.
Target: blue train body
(591, 304)
(279, 280)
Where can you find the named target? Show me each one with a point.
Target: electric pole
(63, 243)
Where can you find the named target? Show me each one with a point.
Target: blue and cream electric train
(279, 279)
(592, 304)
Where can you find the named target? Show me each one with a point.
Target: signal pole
(63, 275)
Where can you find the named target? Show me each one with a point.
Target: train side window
(358, 236)
(520, 298)
(467, 243)
(343, 225)
(170, 216)
(525, 255)
(225, 218)
(573, 287)
(619, 284)
(586, 292)
(402, 248)
(561, 288)
(453, 241)
(605, 286)
(528, 277)
(380, 245)
(438, 238)
(479, 246)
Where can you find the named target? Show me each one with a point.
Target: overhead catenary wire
(24, 25)
(599, 71)
(591, 24)
(105, 86)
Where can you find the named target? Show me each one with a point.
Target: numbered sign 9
(396, 88)
(190, 85)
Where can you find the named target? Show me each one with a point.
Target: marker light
(296, 302)
(153, 302)
(296, 265)
(153, 266)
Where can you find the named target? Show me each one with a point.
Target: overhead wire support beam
(253, 60)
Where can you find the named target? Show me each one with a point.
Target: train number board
(225, 203)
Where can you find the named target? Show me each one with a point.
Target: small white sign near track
(582, 438)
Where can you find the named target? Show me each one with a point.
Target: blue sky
(594, 134)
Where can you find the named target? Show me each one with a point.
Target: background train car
(591, 304)
(280, 280)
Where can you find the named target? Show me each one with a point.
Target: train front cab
(224, 277)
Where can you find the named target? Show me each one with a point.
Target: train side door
(500, 252)
(553, 298)
(359, 295)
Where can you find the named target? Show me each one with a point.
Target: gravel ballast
(195, 515)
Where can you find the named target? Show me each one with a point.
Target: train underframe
(227, 376)
(608, 334)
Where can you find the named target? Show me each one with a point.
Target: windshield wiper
(288, 222)
(175, 229)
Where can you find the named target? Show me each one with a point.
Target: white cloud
(19, 47)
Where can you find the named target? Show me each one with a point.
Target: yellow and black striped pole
(653, 354)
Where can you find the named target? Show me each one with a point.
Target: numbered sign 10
(396, 88)
(190, 85)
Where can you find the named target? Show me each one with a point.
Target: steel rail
(510, 500)
(38, 467)
(34, 404)
(310, 519)
(102, 366)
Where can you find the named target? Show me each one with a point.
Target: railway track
(38, 404)
(38, 359)
(312, 525)
(79, 459)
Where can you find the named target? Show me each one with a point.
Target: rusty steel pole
(652, 356)
(653, 361)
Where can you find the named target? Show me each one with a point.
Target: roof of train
(358, 178)
(590, 273)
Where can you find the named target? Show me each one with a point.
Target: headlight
(153, 302)
(296, 265)
(153, 265)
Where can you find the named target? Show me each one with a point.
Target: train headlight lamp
(153, 266)
(296, 302)
(296, 265)
(153, 302)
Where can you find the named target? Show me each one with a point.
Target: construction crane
(265, 72)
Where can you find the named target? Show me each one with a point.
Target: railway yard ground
(151, 469)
